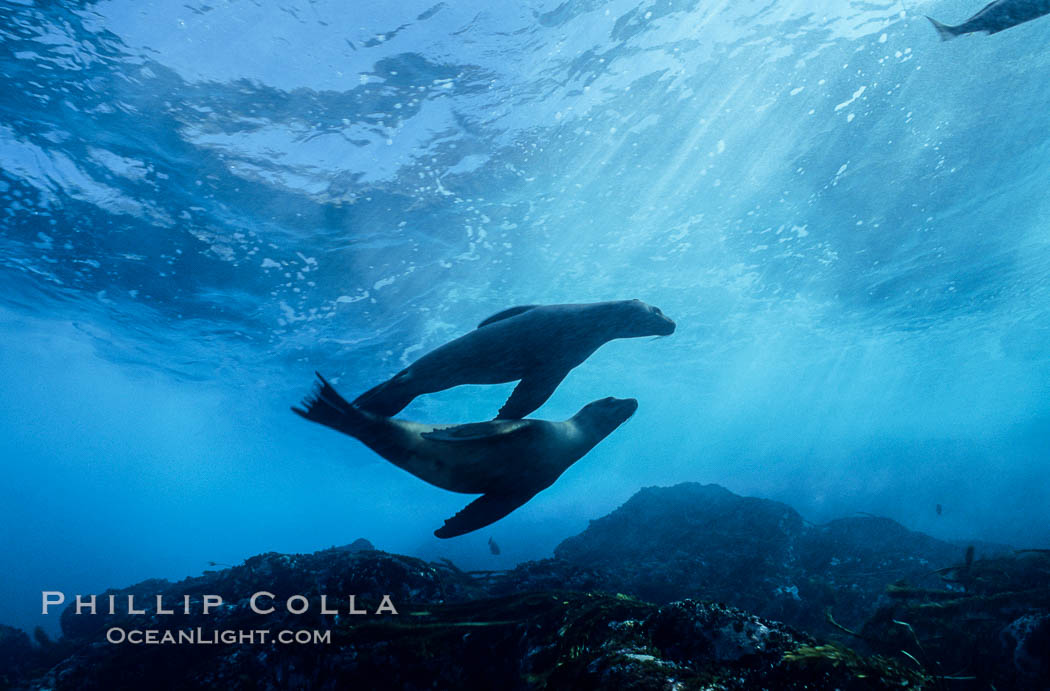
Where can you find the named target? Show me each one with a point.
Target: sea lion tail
(324, 405)
(946, 32)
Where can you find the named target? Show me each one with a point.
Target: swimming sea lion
(995, 17)
(507, 461)
(537, 344)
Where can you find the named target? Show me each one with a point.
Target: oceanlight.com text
(199, 636)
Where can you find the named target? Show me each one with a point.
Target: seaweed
(987, 626)
(875, 672)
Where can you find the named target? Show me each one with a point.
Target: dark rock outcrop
(703, 541)
(547, 574)
(692, 540)
(537, 640)
(933, 610)
(367, 574)
(359, 545)
(16, 654)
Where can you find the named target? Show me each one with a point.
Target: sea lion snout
(623, 407)
(613, 411)
(666, 327)
(650, 319)
(599, 418)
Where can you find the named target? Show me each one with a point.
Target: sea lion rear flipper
(476, 431)
(324, 405)
(483, 511)
(530, 393)
(506, 314)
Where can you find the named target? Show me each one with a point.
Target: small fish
(493, 547)
(995, 17)
(940, 510)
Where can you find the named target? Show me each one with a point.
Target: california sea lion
(507, 461)
(995, 17)
(537, 344)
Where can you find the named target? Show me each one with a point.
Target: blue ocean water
(204, 202)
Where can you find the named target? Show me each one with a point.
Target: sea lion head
(605, 415)
(636, 318)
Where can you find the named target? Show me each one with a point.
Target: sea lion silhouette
(538, 344)
(995, 17)
(507, 461)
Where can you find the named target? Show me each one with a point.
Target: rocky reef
(991, 622)
(703, 541)
(448, 633)
(687, 587)
(17, 655)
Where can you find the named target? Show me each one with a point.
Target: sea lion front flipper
(476, 431)
(483, 511)
(506, 314)
(530, 393)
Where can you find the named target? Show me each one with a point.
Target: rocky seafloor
(685, 587)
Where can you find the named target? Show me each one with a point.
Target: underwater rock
(692, 540)
(705, 542)
(547, 574)
(1026, 641)
(15, 653)
(358, 545)
(336, 572)
(846, 564)
(561, 623)
(989, 620)
(531, 640)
